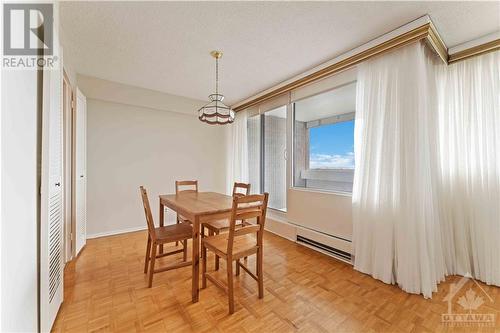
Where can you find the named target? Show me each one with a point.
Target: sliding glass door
(275, 157)
(254, 153)
(267, 142)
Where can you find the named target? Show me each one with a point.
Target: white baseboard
(275, 224)
(278, 225)
(115, 232)
(335, 242)
(281, 228)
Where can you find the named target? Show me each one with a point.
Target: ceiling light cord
(216, 80)
(216, 75)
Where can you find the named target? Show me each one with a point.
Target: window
(324, 140)
(267, 155)
(254, 152)
(274, 157)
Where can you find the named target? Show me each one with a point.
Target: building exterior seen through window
(324, 140)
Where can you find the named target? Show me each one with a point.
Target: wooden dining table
(197, 207)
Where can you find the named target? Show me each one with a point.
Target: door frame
(68, 109)
(79, 175)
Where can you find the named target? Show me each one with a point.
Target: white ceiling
(165, 46)
(328, 104)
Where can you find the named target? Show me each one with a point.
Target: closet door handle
(81, 176)
(57, 184)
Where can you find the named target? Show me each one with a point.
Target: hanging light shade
(216, 112)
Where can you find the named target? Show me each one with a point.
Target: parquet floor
(305, 291)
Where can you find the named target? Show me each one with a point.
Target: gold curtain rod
(425, 32)
(494, 45)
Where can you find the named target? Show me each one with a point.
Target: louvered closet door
(51, 229)
(80, 186)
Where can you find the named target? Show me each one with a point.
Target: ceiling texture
(165, 46)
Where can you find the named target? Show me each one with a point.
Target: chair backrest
(245, 189)
(147, 212)
(191, 184)
(245, 208)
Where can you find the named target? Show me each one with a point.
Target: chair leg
(230, 291)
(204, 267)
(260, 274)
(152, 265)
(237, 267)
(177, 243)
(202, 236)
(217, 258)
(185, 246)
(148, 250)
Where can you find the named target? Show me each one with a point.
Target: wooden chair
(215, 227)
(180, 232)
(239, 243)
(178, 185)
(190, 183)
(241, 186)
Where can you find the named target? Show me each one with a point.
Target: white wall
(325, 212)
(18, 243)
(129, 146)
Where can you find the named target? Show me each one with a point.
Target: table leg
(196, 259)
(162, 212)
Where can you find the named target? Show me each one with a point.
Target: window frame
(291, 149)
(327, 84)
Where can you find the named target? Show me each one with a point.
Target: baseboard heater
(342, 255)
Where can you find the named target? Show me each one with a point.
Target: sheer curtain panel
(397, 235)
(426, 196)
(469, 129)
(237, 151)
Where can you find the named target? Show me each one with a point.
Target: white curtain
(426, 185)
(469, 128)
(237, 151)
(397, 235)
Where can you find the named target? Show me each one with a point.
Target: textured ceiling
(165, 46)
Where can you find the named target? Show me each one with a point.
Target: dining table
(197, 207)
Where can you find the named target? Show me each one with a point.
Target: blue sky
(332, 146)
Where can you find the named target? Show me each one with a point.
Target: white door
(51, 229)
(80, 167)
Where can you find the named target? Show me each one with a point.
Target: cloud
(326, 161)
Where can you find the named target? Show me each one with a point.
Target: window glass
(324, 140)
(267, 155)
(274, 157)
(253, 133)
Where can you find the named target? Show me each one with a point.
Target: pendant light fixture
(216, 112)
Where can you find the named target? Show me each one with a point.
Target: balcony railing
(337, 180)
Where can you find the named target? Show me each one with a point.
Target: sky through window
(332, 146)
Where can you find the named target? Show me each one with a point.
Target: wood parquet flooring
(305, 291)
